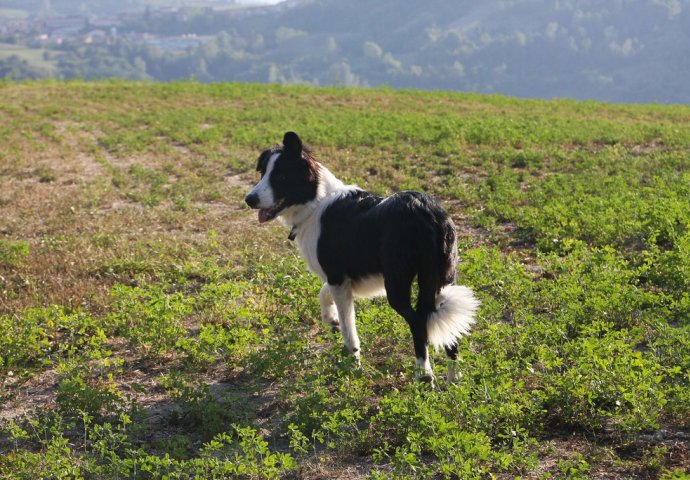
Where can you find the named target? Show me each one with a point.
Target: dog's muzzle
(252, 200)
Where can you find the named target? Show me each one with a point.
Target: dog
(363, 245)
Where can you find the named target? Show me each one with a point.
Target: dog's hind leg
(398, 292)
(329, 314)
(453, 373)
(344, 302)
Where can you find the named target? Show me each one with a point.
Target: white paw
(331, 320)
(423, 371)
(356, 353)
(358, 359)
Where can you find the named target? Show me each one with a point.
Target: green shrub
(150, 317)
(605, 384)
(37, 336)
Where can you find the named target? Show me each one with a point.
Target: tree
(341, 75)
(19, 69)
(258, 42)
(210, 49)
(331, 45)
(273, 74)
(224, 41)
(372, 50)
(140, 66)
(392, 63)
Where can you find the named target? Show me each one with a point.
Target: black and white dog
(362, 245)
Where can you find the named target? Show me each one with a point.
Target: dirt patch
(36, 393)
(238, 180)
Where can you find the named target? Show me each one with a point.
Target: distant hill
(619, 50)
(72, 7)
(624, 50)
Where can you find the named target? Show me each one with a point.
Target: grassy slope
(144, 312)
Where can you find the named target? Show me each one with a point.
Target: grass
(32, 55)
(151, 327)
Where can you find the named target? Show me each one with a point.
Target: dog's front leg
(329, 314)
(342, 296)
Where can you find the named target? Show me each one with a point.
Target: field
(34, 56)
(150, 328)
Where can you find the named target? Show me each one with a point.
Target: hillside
(627, 51)
(149, 325)
(620, 51)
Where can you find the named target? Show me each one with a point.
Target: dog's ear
(262, 163)
(292, 144)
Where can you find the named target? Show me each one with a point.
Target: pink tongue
(264, 215)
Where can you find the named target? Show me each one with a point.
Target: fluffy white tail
(453, 317)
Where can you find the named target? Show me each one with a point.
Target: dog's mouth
(268, 214)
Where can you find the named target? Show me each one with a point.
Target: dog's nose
(252, 200)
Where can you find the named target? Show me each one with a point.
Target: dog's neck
(296, 216)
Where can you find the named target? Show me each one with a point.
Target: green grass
(150, 327)
(32, 55)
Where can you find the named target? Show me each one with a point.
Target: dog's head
(289, 176)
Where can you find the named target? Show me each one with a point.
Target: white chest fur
(306, 219)
(307, 240)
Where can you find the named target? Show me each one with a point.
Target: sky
(268, 2)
